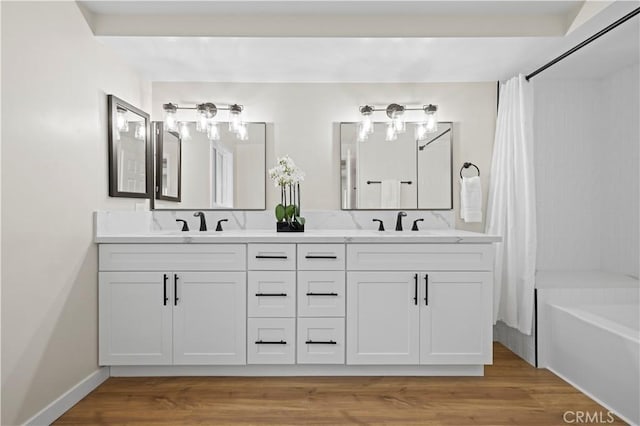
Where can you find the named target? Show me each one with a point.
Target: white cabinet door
(382, 318)
(135, 318)
(456, 318)
(209, 318)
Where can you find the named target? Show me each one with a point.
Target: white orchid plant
(287, 176)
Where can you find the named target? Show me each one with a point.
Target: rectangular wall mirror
(130, 153)
(195, 173)
(405, 173)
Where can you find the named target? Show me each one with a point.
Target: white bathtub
(596, 348)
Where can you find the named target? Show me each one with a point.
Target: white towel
(471, 199)
(390, 194)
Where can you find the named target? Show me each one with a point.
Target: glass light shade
(185, 133)
(201, 122)
(421, 131)
(170, 121)
(398, 124)
(121, 120)
(213, 131)
(140, 132)
(363, 134)
(235, 118)
(242, 133)
(431, 125)
(391, 134)
(366, 124)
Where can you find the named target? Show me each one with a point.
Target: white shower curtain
(511, 209)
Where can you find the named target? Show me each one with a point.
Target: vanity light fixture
(396, 124)
(205, 120)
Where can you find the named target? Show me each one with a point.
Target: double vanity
(251, 302)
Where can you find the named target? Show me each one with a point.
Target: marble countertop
(309, 236)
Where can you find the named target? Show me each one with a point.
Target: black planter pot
(289, 227)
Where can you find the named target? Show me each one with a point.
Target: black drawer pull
(261, 342)
(259, 256)
(271, 294)
(318, 342)
(322, 294)
(310, 256)
(415, 296)
(175, 289)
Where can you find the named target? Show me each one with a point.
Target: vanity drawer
(321, 257)
(271, 340)
(172, 257)
(321, 293)
(272, 257)
(321, 341)
(271, 293)
(419, 257)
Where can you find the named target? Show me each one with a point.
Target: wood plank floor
(511, 393)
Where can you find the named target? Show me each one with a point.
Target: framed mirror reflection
(194, 172)
(130, 150)
(407, 173)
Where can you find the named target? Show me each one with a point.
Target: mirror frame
(112, 103)
(417, 208)
(158, 127)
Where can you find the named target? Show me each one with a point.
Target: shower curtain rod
(597, 35)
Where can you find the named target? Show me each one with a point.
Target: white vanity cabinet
(296, 305)
(437, 312)
(153, 311)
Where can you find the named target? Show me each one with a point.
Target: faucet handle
(185, 226)
(381, 226)
(219, 225)
(415, 224)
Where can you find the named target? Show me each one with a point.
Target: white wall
(303, 117)
(587, 174)
(621, 172)
(55, 78)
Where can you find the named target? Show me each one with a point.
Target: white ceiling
(334, 7)
(356, 59)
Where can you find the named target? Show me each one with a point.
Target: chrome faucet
(399, 220)
(203, 221)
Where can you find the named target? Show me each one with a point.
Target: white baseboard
(70, 398)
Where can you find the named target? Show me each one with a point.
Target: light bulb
(366, 124)
(398, 124)
(201, 122)
(431, 121)
(363, 134)
(421, 131)
(140, 132)
(391, 133)
(185, 133)
(170, 119)
(242, 133)
(235, 118)
(121, 120)
(213, 131)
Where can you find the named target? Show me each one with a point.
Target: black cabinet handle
(310, 256)
(322, 294)
(271, 294)
(261, 342)
(415, 295)
(259, 256)
(426, 289)
(318, 342)
(166, 299)
(175, 290)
